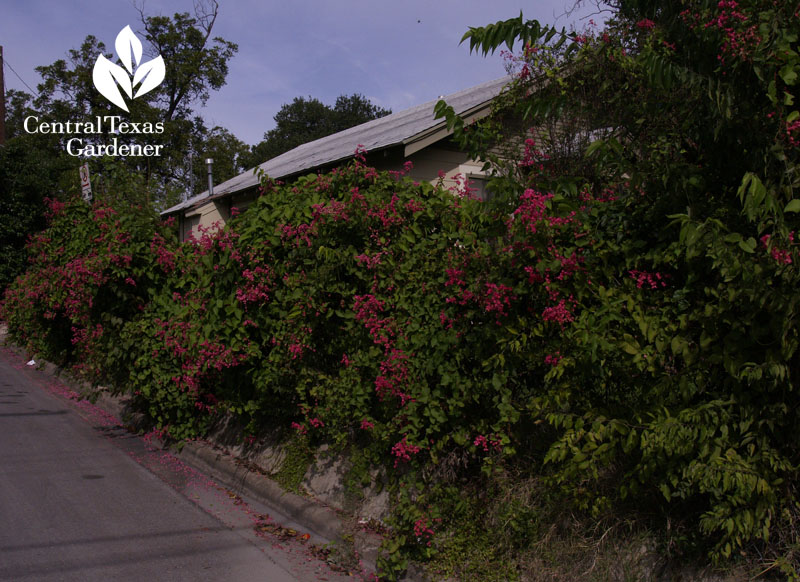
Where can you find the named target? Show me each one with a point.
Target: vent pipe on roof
(210, 164)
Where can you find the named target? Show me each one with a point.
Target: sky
(397, 54)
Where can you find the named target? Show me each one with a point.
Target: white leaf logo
(109, 78)
(128, 45)
(150, 75)
(104, 74)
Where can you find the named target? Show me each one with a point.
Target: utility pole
(2, 100)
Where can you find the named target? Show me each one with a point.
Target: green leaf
(793, 206)
(749, 245)
(593, 147)
(788, 74)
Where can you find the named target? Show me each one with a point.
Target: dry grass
(512, 534)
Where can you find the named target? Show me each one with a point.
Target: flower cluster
(779, 255)
(558, 313)
(403, 450)
(553, 359)
(257, 285)
(647, 279)
(488, 442)
(423, 530)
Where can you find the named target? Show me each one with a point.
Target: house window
(190, 223)
(479, 188)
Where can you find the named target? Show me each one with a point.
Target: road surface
(81, 499)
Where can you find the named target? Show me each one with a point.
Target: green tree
(198, 64)
(228, 153)
(355, 109)
(31, 168)
(18, 107)
(304, 120)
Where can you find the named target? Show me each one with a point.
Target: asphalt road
(82, 499)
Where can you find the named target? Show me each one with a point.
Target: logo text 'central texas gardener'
(109, 78)
(97, 136)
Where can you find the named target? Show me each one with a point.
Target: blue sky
(398, 54)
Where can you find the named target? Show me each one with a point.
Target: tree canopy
(198, 64)
(306, 119)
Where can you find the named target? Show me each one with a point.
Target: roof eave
(440, 131)
(193, 208)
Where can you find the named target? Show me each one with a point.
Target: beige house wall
(456, 167)
(213, 215)
(209, 216)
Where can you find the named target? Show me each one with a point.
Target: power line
(5, 62)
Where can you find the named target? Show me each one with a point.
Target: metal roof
(401, 128)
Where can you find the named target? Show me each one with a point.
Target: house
(411, 135)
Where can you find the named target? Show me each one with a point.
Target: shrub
(90, 271)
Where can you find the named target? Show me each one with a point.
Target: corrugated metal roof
(395, 129)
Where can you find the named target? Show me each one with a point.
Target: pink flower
(454, 277)
(653, 280)
(498, 298)
(446, 322)
(558, 313)
(422, 530)
(553, 359)
(483, 442)
(403, 451)
(780, 256)
(370, 262)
